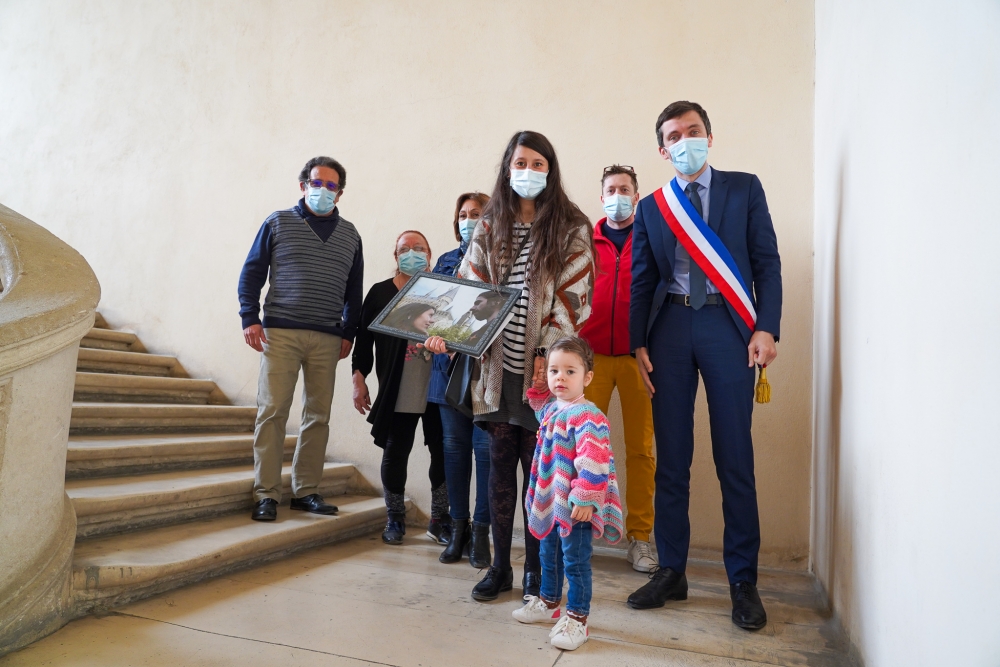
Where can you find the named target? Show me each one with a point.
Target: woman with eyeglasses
(533, 238)
(463, 440)
(403, 369)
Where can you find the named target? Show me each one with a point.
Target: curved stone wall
(47, 303)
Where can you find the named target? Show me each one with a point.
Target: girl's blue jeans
(569, 556)
(464, 441)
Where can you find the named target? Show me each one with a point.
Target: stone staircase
(160, 471)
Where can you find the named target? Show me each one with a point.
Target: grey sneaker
(640, 554)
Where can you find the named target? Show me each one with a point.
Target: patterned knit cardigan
(558, 309)
(573, 465)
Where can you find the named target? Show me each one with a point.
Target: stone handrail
(47, 303)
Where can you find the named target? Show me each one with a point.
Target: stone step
(109, 339)
(102, 456)
(114, 570)
(128, 363)
(97, 418)
(118, 504)
(100, 322)
(111, 387)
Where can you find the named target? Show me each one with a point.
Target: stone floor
(363, 603)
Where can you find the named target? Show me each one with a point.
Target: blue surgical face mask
(689, 155)
(618, 207)
(466, 227)
(320, 200)
(527, 183)
(412, 261)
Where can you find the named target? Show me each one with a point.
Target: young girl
(572, 494)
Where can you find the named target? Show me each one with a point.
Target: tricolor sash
(706, 248)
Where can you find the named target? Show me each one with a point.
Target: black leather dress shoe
(265, 510)
(493, 584)
(531, 583)
(664, 584)
(748, 611)
(313, 503)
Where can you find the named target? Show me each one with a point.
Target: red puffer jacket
(607, 327)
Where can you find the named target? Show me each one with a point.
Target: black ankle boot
(460, 536)
(395, 528)
(479, 550)
(493, 584)
(531, 583)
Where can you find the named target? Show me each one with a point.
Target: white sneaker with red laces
(536, 611)
(569, 634)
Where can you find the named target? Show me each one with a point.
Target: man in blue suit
(680, 326)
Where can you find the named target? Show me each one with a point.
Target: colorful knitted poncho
(573, 465)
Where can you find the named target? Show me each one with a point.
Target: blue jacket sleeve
(354, 296)
(254, 275)
(645, 278)
(764, 261)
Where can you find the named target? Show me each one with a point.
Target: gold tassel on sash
(763, 392)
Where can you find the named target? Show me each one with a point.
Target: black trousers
(510, 445)
(396, 453)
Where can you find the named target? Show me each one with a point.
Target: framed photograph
(467, 314)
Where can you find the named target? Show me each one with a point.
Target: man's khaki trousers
(285, 352)
(637, 414)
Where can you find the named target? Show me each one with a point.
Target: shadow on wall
(834, 543)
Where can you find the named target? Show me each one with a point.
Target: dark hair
(478, 197)
(679, 109)
(495, 299)
(402, 317)
(323, 161)
(574, 345)
(556, 217)
(619, 169)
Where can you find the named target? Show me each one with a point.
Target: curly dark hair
(323, 161)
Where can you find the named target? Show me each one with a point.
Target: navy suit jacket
(737, 212)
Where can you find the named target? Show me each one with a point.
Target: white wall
(907, 503)
(155, 137)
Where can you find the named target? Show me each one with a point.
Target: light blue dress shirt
(682, 262)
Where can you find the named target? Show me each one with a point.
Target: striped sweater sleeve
(591, 436)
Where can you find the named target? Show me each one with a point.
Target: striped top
(513, 333)
(573, 465)
(315, 268)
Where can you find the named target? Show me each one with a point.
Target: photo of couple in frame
(467, 314)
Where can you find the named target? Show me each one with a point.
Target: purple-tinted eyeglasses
(329, 185)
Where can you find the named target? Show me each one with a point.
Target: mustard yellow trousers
(637, 413)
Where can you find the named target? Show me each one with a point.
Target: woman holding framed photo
(533, 238)
(463, 440)
(404, 372)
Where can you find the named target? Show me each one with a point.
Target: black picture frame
(442, 294)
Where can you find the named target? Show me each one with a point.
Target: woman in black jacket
(403, 369)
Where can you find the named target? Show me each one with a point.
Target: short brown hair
(479, 197)
(577, 346)
(620, 169)
(679, 109)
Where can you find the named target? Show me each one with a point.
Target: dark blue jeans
(462, 440)
(570, 556)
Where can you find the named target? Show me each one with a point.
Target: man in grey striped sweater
(313, 259)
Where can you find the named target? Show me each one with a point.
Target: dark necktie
(697, 276)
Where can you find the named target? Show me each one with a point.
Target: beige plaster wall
(155, 137)
(906, 496)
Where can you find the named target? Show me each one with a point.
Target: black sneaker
(493, 584)
(395, 528)
(439, 530)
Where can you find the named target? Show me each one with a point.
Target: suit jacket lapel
(717, 199)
